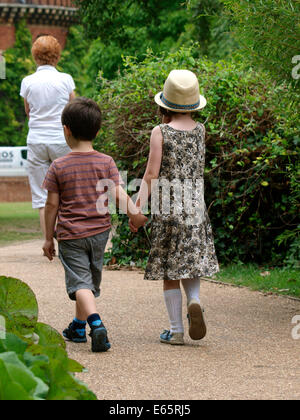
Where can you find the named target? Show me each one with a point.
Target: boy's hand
(49, 250)
(137, 221)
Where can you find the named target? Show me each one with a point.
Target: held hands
(49, 250)
(137, 221)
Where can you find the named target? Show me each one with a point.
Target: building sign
(13, 161)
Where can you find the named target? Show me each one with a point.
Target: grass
(282, 281)
(18, 222)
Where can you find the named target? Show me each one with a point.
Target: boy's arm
(51, 210)
(125, 204)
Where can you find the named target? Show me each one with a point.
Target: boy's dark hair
(83, 117)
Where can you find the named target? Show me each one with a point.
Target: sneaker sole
(99, 341)
(198, 328)
(172, 343)
(75, 340)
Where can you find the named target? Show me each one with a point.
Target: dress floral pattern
(182, 243)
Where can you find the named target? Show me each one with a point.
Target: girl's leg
(173, 300)
(197, 324)
(192, 289)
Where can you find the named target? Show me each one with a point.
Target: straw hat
(181, 92)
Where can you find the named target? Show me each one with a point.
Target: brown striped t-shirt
(75, 177)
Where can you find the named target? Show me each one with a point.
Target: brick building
(52, 17)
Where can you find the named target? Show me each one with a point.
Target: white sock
(192, 289)
(173, 300)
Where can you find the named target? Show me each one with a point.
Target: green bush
(73, 59)
(34, 364)
(252, 148)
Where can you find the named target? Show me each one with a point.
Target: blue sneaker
(175, 339)
(100, 341)
(77, 336)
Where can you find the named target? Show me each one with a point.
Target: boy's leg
(75, 259)
(83, 284)
(85, 304)
(86, 309)
(96, 246)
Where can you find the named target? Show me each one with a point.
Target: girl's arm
(125, 204)
(153, 167)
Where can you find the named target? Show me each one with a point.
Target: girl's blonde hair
(46, 50)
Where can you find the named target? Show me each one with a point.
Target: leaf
(18, 306)
(48, 336)
(20, 377)
(264, 184)
(9, 388)
(13, 343)
(74, 366)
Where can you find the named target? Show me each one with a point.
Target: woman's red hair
(46, 50)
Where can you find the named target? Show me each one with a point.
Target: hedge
(252, 143)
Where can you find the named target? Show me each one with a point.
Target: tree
(131, 27)
(269, 34)
(13, 123)
(210, 26)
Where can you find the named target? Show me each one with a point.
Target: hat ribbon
(176, 106)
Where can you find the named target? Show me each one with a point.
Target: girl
(182, 245)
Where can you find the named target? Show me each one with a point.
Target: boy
(82, 230)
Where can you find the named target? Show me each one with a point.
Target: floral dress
(182, 243)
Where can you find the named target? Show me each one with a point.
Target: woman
(45, 94)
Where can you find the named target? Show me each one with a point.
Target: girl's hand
(137, 221)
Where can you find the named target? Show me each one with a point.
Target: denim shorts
(83, 262)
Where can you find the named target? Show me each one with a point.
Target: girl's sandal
(175, 339)
(196, 319)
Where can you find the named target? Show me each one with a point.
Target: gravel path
(249, 352)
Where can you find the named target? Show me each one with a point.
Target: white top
(47, 92)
